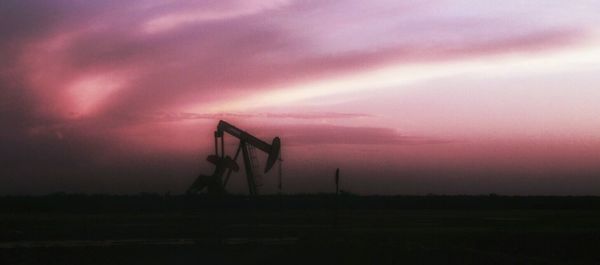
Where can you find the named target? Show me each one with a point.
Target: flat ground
(300, 230)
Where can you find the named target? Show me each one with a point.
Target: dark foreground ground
(311, 229)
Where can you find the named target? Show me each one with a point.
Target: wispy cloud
(209, 12)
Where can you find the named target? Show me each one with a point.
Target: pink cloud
(233, 58)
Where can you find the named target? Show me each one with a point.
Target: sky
(405, 97)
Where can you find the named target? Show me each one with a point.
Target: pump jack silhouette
(225, 165)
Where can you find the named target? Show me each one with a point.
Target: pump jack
(215, 183)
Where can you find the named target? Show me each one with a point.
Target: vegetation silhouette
(153, 228)
(152, 202)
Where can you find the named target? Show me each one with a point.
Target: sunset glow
(407, 97)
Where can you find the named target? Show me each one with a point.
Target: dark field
(308, 229)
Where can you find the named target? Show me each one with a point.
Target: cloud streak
(342, 135)
(182, 116)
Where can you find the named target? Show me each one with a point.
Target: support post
(337, 197)
(222, 145)
(337, 181)
(216, 143)
(248, 167)
(237, 153)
